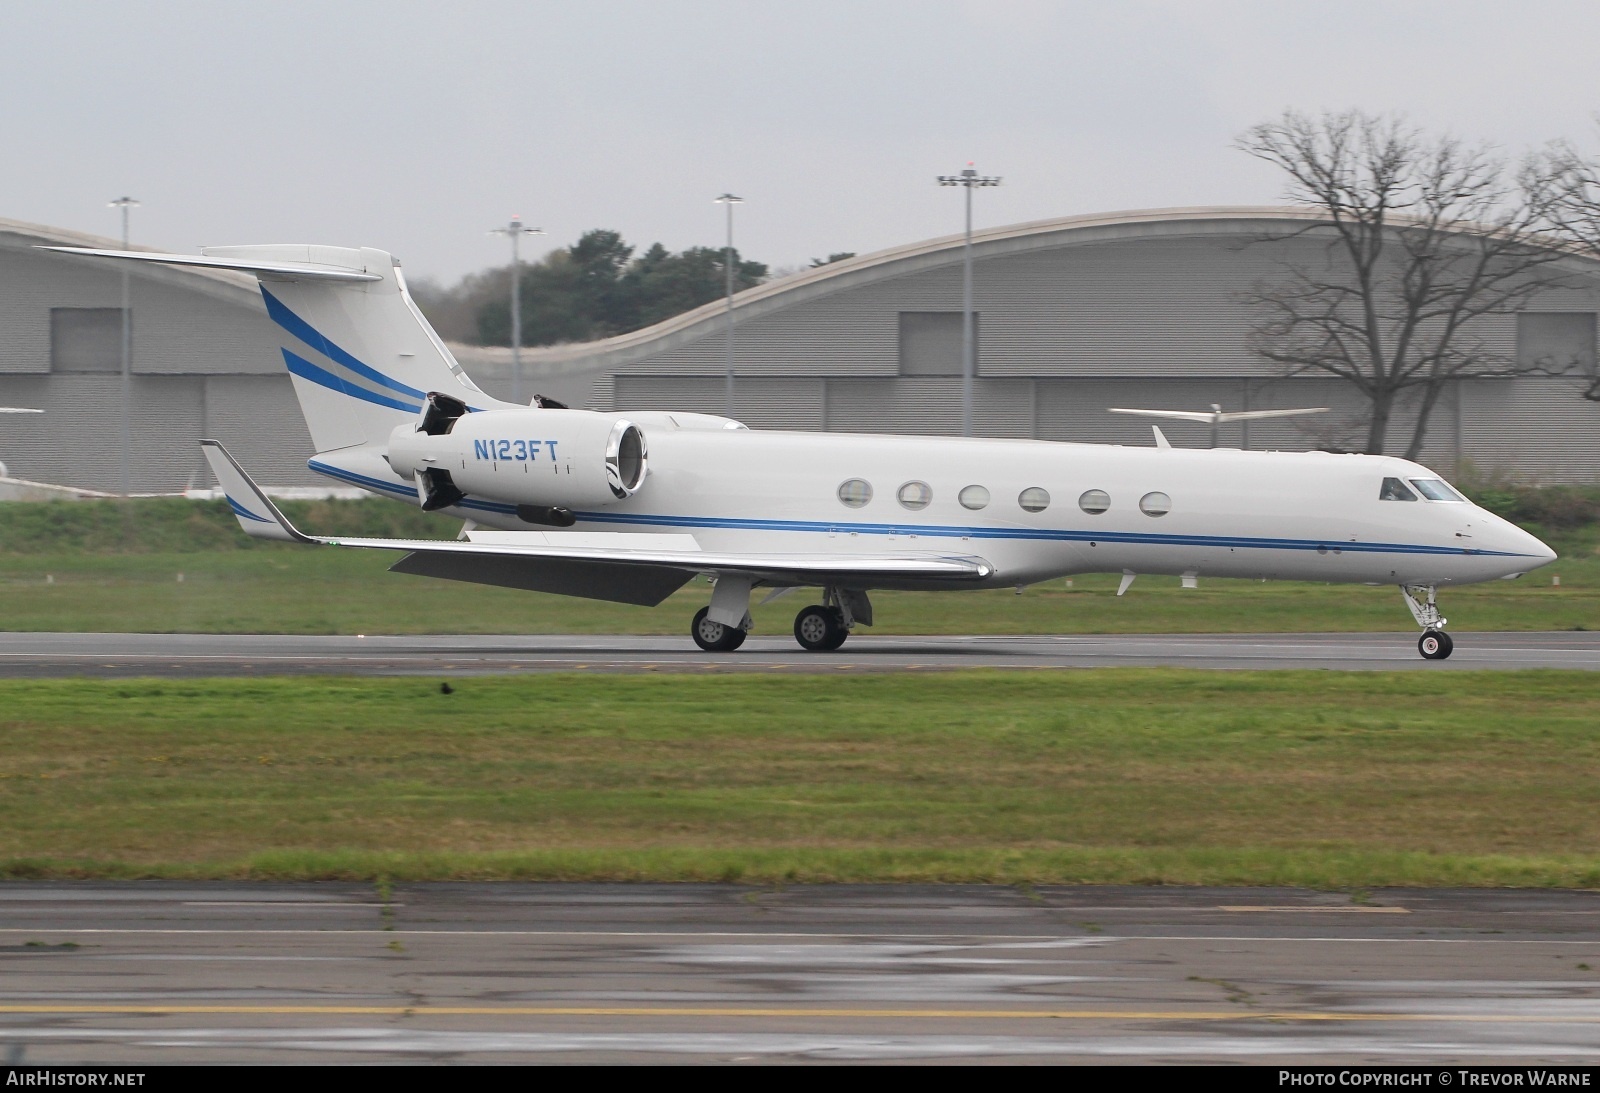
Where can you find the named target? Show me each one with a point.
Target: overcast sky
(415, 127)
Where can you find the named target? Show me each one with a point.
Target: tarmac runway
(146, 973)
(31, 655)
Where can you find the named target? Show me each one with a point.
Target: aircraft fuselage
(1203, 512)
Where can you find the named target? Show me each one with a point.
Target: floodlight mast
(728, 200)
(124, 429)
(516, 231)
(969, 180)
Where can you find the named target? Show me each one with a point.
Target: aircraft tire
(840, 633)
(818, 629)
(714, 637)
(1435, 645)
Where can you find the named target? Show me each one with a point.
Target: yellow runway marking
(1353, 910)
(828, 1012)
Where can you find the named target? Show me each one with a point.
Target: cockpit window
(1435, 490)
(1395, 490)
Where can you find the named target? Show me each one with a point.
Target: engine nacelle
(543, 461)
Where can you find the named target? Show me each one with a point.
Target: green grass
(70, 577)
(325, 591)
(1128, 776)
(108, 566)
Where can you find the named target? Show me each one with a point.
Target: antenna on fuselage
(1217, 416)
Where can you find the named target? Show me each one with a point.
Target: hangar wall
(205, 363)
(1075, 316)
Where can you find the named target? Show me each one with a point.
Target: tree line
(593, 289)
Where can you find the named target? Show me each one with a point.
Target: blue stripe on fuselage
(942, 531)
(1049, 534)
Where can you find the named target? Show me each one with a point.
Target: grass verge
(1126, 776)
(311, 591)
(172, 566)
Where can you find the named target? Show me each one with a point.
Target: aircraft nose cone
(1535, 549)
(1502, 536)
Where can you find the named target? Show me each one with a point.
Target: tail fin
(362, 357)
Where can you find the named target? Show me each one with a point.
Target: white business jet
(629, 507)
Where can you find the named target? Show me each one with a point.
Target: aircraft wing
(620, 566)
(1175, 415)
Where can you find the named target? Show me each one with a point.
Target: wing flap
(645, 585)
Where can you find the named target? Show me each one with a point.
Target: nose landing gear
(1434, 644)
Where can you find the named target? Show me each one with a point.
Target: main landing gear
(713, 636)
(823, 627)
(1434, 644)
(820, 628)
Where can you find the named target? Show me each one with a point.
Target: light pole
(516, 231)
(124, 429)
(969, 179)
(730, 201)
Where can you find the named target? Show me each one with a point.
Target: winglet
(258, 516)
(1161, 438)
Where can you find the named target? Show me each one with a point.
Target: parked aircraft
(1216, 417)
(630, 506)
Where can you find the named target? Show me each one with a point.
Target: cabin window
(1395, 490)
(973, 497)
(855, 492)
(1094, 502)
(1033, 499)
(1155, 504)
(1435, 490)
(915, 495)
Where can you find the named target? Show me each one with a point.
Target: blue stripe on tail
(303, 368)
(308, 334)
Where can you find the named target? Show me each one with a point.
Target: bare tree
(1576, 212)
(1423, 238)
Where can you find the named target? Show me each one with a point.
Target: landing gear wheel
(1435, 645)
(714, 637)
(819, 629)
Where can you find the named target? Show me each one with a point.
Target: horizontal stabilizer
(277, 270)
